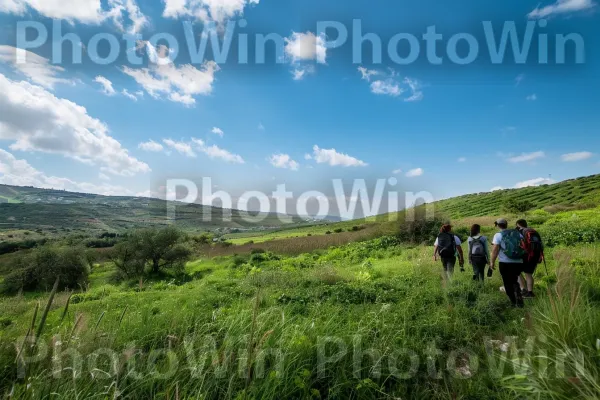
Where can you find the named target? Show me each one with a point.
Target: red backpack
(534, 248)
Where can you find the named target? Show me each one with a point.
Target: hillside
(575, 193)
(57, 210)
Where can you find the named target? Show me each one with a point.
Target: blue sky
(448, 129)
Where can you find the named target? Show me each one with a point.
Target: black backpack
(446, 245)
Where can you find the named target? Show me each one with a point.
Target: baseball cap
(501, 221)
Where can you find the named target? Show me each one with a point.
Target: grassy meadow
(360, 313)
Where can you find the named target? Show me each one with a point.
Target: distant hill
(574, 193)
(47, 209)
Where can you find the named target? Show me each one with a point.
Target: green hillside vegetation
(347, 310)
(571, 194)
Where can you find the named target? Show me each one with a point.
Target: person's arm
(435, 252)
(495, 252)
(486, 246)
(461, 257)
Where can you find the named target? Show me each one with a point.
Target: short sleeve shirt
(503, 257)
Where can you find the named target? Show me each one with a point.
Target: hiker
(534, 255)
(448, 246)
(478, 253)
(508, 247)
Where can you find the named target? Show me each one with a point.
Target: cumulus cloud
(218, 11)
(302, 50)
(176, 83)
(367, 73)
(20, 173)
(333, 158)
(180, 147)
(532, 97)
(132, 96)
(218, 131)
(561, 7)
(526, 157)
(217, 152)
(462, 159)
(397, 171)
(573, 157)
(151, 145)
(36, 120)
(284, 161)
(107, 86)
(37, 69)
(535, 182)
(496, 188)
(82, 11)
(306, 47)
(413, 173)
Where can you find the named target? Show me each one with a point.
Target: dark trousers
(479, 270)
(510, 276)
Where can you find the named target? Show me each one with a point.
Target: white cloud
(496, 188)
(397, 171)
(151, 145)
(20, 173)
(283, 161)
(301, 72)
(217, 152)
(307, 156)
(107, 86)
(306, 47)
(580, 156)
(531, 97)
(103, 177)
(415, 88)
(206, 10)
(36, 68)
(561, 7)
(389, 84)
(177, 83)
(218, 131)
(462, 159)
(526, 157)
(120, 10)
(413, 173)
(82, 11)
(535, 182)
(333, 158)
(261, 127)
(180, 147)
(367, 73)
(36, 120)
(131, 96)
(388, 87)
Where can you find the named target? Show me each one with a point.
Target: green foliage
(517, 206)
(39, 269)
(151, 250)
(420, 230)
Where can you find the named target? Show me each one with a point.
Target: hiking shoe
(528, 295)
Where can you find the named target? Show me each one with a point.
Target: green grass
(372, 296)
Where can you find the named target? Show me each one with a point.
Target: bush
(39, 269)
(515, 206)
(339, 230)
(420, 230)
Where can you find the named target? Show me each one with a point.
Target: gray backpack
(477, 252)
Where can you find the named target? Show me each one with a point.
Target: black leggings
(510, 276)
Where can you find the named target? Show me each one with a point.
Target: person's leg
(482, 272)
(449, 264)
(509, 273)
(529, 278)
(522, 284)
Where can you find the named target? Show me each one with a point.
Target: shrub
(516, 206)
(420, 230)
(39, 269)
(338, 230)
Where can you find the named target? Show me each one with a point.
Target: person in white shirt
(506, 243)
(479, 255)
(448, 246)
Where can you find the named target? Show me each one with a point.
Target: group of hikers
(519, 252)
